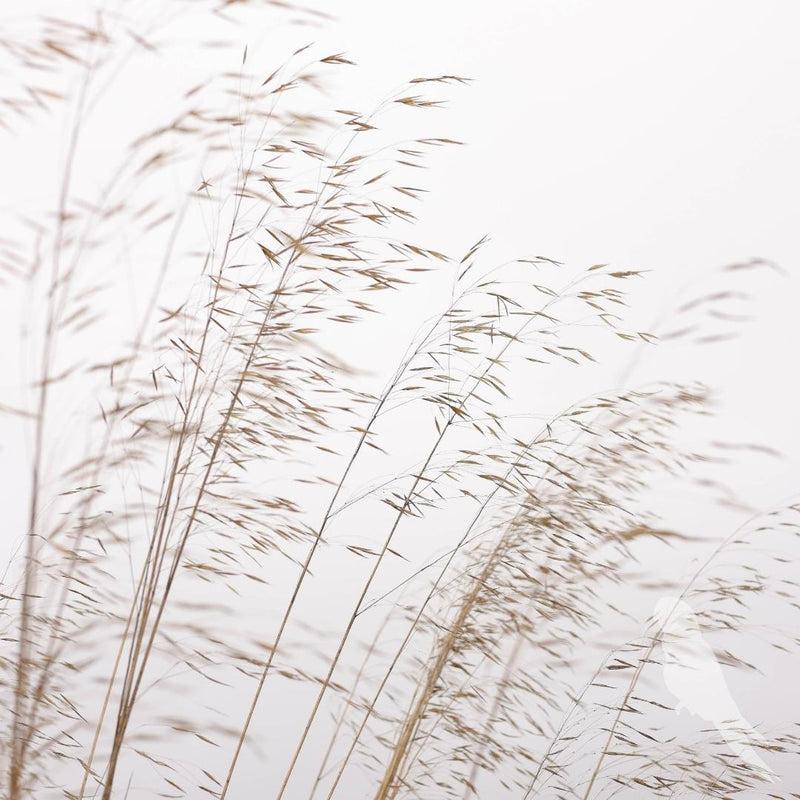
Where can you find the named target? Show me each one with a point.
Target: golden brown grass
(233, 454)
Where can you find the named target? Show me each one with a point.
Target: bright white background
(659, 136)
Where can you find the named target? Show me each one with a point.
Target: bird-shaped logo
(693, 675)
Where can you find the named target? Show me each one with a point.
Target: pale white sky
(660, 136)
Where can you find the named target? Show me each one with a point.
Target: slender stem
(329, 513)
(353, 616)
(564, 720)
(18, 740)
(499, 697)
(415, 623)
(348, 703)
(389, 786)
(456, 412)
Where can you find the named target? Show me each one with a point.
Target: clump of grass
(214, 474)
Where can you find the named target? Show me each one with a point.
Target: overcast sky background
(648, 136)
(656, 136)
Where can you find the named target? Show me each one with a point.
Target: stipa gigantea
(231, 463)
(252, 334)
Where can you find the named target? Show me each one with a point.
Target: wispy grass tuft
(269, 553)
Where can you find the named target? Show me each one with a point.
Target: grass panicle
(267, 535)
